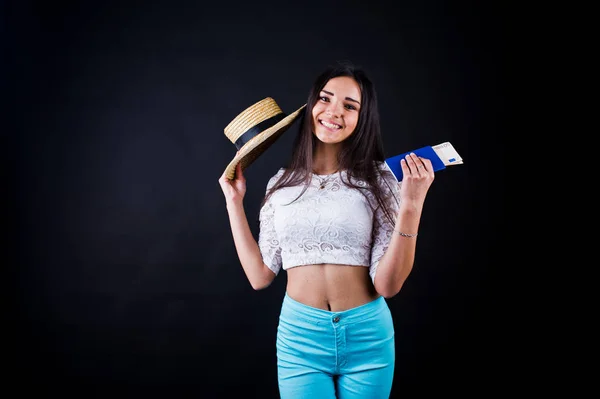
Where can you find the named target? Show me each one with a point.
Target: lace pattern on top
(334, 224)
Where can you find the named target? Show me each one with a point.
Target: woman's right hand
(234, 190)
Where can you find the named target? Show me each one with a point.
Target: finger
(419, 167)
(222, 179)
(405, 168)
(428, 166)
(411, 162)
(419, 164)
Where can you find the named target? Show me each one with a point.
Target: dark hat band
(256, 129)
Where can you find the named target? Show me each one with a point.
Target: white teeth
(330, 125)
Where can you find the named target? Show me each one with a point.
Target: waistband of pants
(357, 314)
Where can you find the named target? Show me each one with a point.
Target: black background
(125, 274)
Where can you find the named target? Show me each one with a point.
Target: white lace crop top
(334, 224)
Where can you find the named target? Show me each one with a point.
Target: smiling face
(335, 114)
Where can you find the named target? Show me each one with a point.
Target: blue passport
(441, 155)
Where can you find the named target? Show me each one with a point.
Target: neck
(325, 159)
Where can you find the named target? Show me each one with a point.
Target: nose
(334, 109)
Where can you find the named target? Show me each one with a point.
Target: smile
(330, 125)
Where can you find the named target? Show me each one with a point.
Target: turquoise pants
(326, 355)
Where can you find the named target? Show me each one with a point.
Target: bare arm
(397, 262)
(258, 274)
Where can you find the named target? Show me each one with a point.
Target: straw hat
(254, 130)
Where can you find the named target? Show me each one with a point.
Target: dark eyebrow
(347, 98)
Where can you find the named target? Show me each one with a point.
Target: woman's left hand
(417, 178)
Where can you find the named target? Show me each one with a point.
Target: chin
(329, 138)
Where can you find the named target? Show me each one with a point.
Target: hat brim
(259, 144)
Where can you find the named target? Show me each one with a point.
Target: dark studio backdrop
(123, 269)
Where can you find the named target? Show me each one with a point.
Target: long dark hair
(361, 153)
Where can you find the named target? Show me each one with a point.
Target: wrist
(410, 208)
(234, 206)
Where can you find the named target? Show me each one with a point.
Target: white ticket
(447, 154)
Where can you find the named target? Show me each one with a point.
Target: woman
(345, 231)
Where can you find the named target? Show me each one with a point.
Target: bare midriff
(331, 287)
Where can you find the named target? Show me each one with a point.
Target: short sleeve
(382, 226)
(268, 241)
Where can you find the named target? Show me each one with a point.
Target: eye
(350, 106)
(324, 99)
